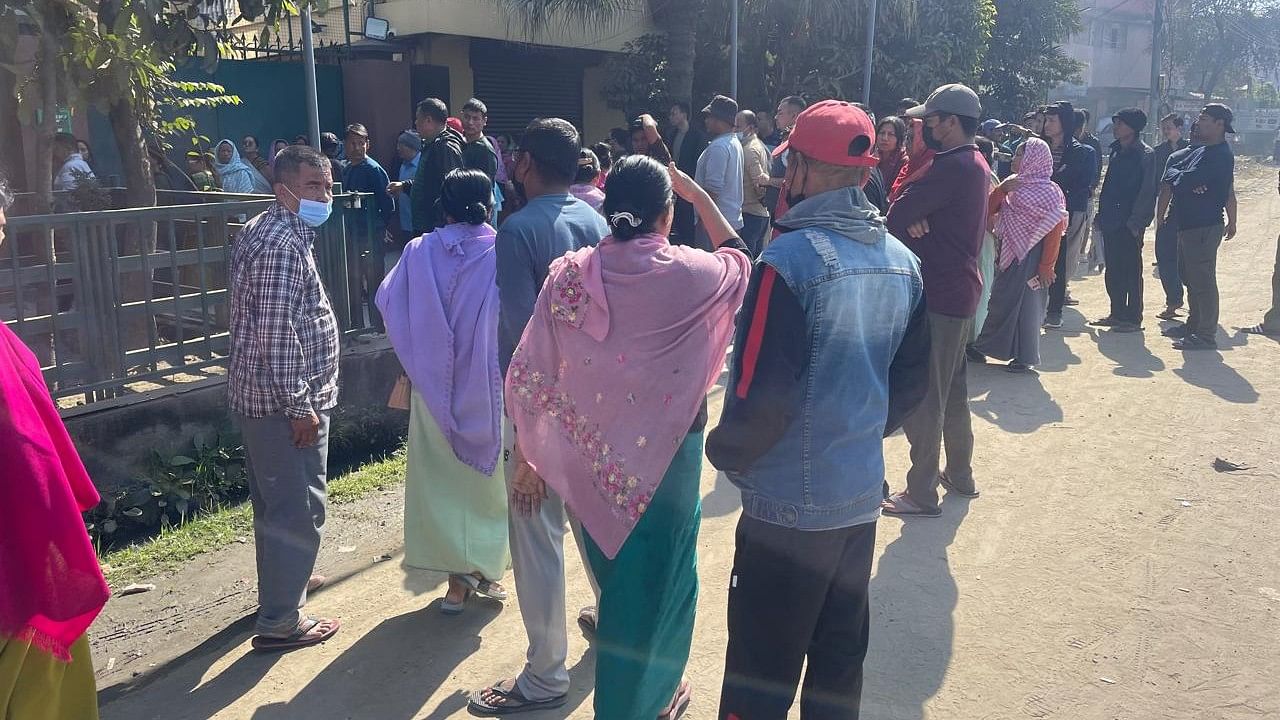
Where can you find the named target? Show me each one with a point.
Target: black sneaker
(1126, 327)
(1071, 302)
(1107, 321)
(973, 355)
(1195, 342)
(1177, 331)
(1053, 322)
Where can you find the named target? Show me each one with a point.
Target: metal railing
(121, 302)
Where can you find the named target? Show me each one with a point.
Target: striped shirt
(284, 335)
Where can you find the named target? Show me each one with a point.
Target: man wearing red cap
(831, 354)
(942, 218)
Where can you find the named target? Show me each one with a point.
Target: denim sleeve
(770, 359)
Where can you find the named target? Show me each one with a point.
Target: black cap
(1133, 117)
(1218, 111)
(723, 108)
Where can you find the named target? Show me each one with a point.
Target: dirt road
(1107, 571)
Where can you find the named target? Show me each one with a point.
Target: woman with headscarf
(237, 175)
(1028, 215)
(605, 391)
(891, 146)
(919, 160)
(440, 306)
(51, 587)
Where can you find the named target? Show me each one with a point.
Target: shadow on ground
(1015, 402)
(913, 596)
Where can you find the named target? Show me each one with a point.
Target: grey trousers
(287, 487)
(943, 415)
(537, 558)
(1198, 266)
(1271, 321)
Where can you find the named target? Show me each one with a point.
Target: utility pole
(1157, 50)
(866, 61)
(309, 67)
(733, 52)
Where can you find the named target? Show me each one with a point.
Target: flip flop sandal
(902, 505)
(1259, 330)
(510, 701)
(484, 587)
(679, 703)
(1170, 314)
(945, 481)
(316, 582)
(588, 620)
(300, 638)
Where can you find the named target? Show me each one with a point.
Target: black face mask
(929, 140)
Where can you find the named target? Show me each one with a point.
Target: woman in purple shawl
(440, 304)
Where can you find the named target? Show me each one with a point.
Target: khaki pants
(943, 415)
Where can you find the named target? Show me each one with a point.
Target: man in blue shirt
(367, 246)
(551, 224)
(409, 150)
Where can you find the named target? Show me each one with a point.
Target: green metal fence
(121, 302)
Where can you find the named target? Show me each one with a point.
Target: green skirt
(649, 596)
(455, 517)
(36, 686)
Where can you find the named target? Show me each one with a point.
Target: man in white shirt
(720, 166)
(71, 167)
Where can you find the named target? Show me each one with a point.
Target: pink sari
(51, 587)
(624, 343)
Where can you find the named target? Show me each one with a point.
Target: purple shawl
(440, 306)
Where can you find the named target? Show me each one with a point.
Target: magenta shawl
(51, 587)
(624, 343)
(1033, 209)
(440, 306)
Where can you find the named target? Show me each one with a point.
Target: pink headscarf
(51, 587)
(1033, 209)
(624, 343)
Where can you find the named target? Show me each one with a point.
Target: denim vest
(827, 471)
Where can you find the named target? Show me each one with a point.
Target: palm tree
(678, 19)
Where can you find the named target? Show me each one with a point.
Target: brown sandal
(311, 631)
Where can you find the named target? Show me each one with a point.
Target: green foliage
(947, 44)
(88, 195)
(1025, 58)
(637, 77)
(1217, 43)
(201, 478)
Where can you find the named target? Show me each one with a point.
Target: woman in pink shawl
(440, 305)
(1027, 214)
(51, 587)
(605, 391)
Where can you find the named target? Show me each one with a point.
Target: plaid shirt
(284, 335)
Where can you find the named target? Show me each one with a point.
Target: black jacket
(1074, 174)
(1128, 198)
(1092, 141)
(695, 141)
(439, 156)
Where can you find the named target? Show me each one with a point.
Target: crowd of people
(561, 311)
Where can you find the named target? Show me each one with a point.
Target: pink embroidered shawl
(624, 343)
(51, 587)
(1033, 209)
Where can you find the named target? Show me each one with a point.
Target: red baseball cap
(833, 132)
(454, 123)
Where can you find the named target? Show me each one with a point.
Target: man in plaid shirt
(282, 384)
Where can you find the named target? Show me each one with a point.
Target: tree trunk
(680, 22)
(45, 130)
(140, 187)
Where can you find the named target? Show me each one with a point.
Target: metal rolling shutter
(519, 84)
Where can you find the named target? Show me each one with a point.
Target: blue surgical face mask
(312, 212)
